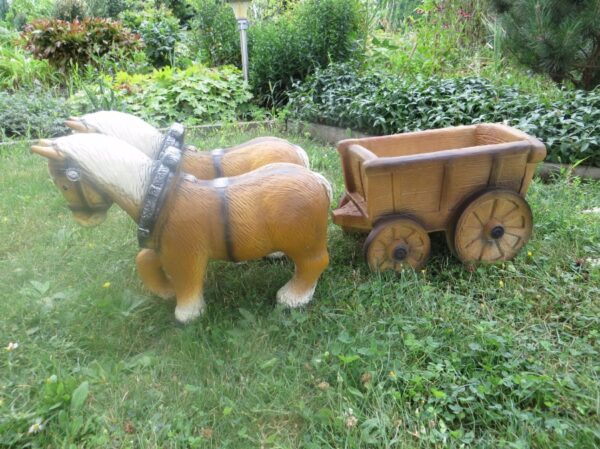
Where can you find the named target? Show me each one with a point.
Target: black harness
(163, 171)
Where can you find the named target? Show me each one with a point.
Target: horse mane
(127, 127)
(115, 166)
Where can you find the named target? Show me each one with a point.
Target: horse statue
(218, 163)
(278, 207)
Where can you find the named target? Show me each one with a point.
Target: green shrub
(193, 95)
(159, 30)
(214, 33)
(69, 44)
(105, 8)
(4, 7)
(379, 103)
(32, 113)
(69, 10)
(24, 11)
(311, 35)
(18, 69)
(556, 37)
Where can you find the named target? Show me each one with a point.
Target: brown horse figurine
(279, 207)
(231, 161)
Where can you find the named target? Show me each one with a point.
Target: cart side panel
(509, 171)
(380, 199)
(418, 188)
(353, 157)
(466, 176)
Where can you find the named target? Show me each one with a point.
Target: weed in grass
(501, 356)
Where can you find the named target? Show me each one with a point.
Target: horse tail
(302, 154)
(326, 184)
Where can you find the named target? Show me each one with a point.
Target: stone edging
(333, 134)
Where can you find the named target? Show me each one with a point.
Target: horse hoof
(288, 297)
(187, 313)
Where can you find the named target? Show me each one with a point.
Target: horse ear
(45, 149)
(76, 124)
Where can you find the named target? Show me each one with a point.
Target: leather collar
(165, 167)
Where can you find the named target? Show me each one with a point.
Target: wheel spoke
(493, 209)
(497, 242)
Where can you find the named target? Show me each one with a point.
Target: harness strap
(73, 173)
(221, 185)
(217, 156)
(173, 138)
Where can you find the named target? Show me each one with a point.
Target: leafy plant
(33, 113)
(193, 95)
(214, 33)
(556, 37)
(21, 12)
(105, 8)
(381, 103)
(160, 30)
(75, 44)
(69, 10)
(311, 35)
(18, 69)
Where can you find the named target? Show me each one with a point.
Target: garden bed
(499, 356)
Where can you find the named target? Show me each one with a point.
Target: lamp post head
(240, 8)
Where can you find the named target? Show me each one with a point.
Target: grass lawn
(502, 356)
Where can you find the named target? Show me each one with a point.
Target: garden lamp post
(240, 9)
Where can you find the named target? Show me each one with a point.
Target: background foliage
(193, 95)
(32, 113)
(555, 37)
(384, 104)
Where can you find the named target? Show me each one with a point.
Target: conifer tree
(558, 37)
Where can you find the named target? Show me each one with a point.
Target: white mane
(127, 127)
(115, 167)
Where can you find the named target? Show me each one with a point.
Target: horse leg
(300, 289)
(152, 275)
(187, 275)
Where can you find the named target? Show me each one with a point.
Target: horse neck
(125, 181)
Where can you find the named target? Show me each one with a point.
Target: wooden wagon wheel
(396, 244)
(493, 227)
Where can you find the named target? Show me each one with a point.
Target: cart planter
(469, 181)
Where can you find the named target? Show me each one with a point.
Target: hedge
(377, 103)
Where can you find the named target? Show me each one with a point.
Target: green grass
(503, 356)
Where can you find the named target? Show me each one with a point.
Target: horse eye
(64, 187)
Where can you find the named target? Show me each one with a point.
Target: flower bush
(69, 44)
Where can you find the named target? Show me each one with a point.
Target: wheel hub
(497, 232)
(400, 253)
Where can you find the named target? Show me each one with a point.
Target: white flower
(351, 421)
(36, 427)
(12, 346)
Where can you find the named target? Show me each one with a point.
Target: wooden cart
(469, 181)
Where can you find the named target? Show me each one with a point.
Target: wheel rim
(493, 227)
(396, 245)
